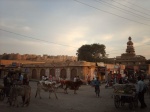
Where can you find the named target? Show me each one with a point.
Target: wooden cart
(121, 97)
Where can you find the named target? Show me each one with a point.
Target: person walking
(20, 78)
(75, 79)
(87, 79)
(141, 91)
(97, 86)
(25, 79)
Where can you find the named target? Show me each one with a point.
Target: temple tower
(130, 48)
(130, 52)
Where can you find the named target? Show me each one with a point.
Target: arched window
(63, 74)
(34, 74)
(42, 73)
(52, 72)
(73, 73)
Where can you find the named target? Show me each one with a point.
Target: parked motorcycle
(109, 84)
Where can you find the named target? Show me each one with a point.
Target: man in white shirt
(140, 91)
(43, 78)
(75, 79)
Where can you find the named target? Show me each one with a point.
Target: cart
(125, 93)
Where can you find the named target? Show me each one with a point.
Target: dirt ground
(84, 101)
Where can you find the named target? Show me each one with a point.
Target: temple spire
(130, 48)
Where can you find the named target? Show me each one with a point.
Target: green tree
(91, 52)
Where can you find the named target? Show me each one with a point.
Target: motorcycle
(109, 84)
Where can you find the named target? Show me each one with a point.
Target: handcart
(125, 93)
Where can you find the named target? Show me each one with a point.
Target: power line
(137, 6)
(126, 11)
(131, 8)
(35, 38)
(124, 49)
(57, 43)
(110, 13)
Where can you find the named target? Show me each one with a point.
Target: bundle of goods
(124, 88)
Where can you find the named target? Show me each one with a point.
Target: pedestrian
(50, 78)
(92, 82)
(97, 86)
(7, 84)
(141, 91)
(25, 79)
(75, 79)
(87, 78)
(43, 78)
(120, 81)
(115, 79)
(20, 78)
(53, 78)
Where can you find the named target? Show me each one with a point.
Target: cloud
(26, 28)
(15, 26)
(143, 41)
(66, 22)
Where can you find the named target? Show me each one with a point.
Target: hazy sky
(60, 27)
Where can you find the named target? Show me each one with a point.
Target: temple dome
(129, 42)
(130, 48)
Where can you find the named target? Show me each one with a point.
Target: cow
(19, 90)
(71, 85)
(47, 86)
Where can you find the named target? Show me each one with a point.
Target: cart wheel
(2, 95)
(117, 101)
(131, 105)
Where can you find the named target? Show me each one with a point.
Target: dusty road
(84, 101)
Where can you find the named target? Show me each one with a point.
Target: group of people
(12, 79)
(140, 91)
(16, 78)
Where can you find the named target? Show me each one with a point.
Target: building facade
(65, 70)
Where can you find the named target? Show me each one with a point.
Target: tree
(91, 53)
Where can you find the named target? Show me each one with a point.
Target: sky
(60, 27)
